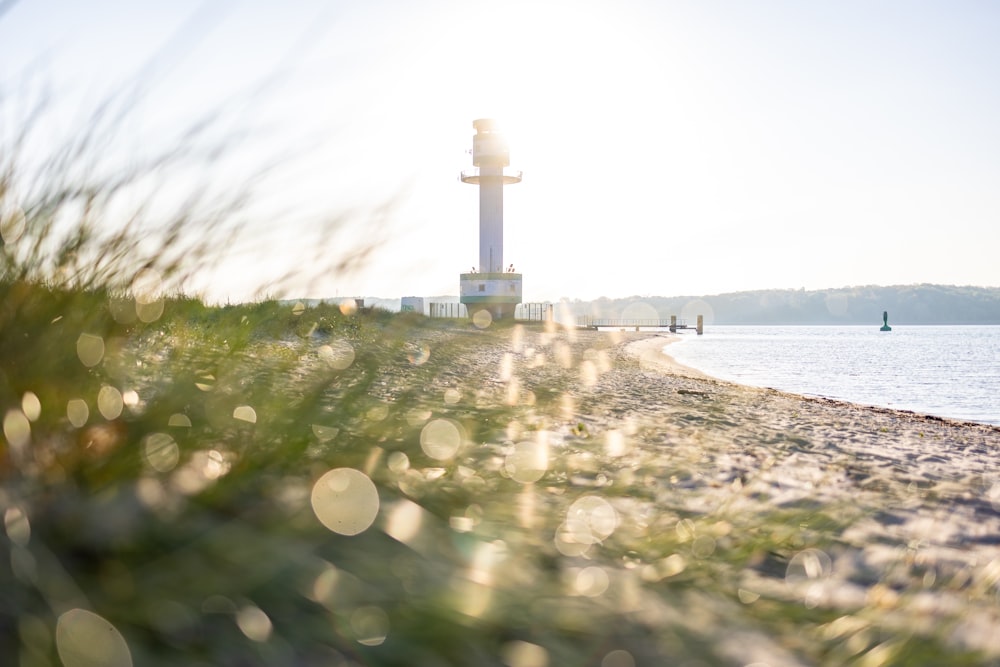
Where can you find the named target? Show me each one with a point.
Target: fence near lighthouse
(523, 312)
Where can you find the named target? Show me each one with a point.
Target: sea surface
(947, 371)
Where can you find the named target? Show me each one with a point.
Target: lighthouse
(494, 287)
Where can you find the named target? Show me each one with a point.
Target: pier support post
(673, 324)
(701, 324)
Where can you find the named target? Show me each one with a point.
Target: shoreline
(651, 354)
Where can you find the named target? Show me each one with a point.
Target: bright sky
(668, 147)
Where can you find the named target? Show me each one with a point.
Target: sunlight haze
(668, 148)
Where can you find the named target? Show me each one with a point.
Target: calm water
(948, 371)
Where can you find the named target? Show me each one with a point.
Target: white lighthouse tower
(494, 287)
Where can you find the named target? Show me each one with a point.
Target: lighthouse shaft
(491, 220)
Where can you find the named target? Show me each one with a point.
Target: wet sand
(650, 353)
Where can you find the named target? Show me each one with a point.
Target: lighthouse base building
(497, 293)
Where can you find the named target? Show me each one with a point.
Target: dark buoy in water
(885, 321)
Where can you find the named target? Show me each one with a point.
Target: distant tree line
(906, 304)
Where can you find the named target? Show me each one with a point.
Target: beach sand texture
(427, 493)
(778, 529)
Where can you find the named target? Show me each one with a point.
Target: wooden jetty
(673, 324)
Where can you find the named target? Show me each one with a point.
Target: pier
(673, 324)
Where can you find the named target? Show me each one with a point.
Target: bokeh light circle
(482, 319)
(370, 625)
(345, 500)
(398, 462)
(440, 439)
(245, 413)
(122, 309)
(338, 355)
(160, 451)
(147, 286)
(16, 428)
(528, 461)
(77, 412)
(31, 406)
(618, 658)
(90, 349)
(149, 312)
(592, 516)
(254, 623)
(17, 526)
(110, 402)
(692, 309)
(640, 310)
(84, 639)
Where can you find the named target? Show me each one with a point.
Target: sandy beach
(520, 496)
(887, 522)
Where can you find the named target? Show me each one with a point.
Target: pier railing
(672, 323)
(587, 321)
